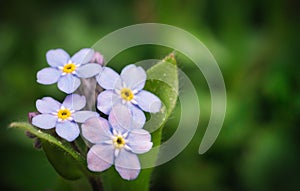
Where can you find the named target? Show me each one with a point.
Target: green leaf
(162, 80)
(62, 161)
(66, 161)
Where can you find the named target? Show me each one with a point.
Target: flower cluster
(116, 135)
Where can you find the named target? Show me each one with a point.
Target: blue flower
(127, 88)
(116, 142)
(67, 71)
(62, 116)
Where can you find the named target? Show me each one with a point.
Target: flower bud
(31, 115)
(37, 143)
(98, 58)
(30, 135)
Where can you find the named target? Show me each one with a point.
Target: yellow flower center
(127, 94)
(119, 141)
(69, 68)
(64, 114)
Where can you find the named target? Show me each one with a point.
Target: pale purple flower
(66, 70)
(62, 116)
(116, 142)
(127, 88)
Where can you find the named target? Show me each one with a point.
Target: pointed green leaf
(62, 161)
(162, 80)
(65, 160)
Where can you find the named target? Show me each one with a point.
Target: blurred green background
(256, 44)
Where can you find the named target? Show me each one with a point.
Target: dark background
(256, 44)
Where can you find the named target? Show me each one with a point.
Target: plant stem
(75, 147)
(96, 184)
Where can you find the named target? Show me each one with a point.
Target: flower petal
(48, 76)
(67, 130)
(139, 141)
(44, 121)
(109, 79)
(88, 70)
(96, 130)
(138, 116)
(100, 157)
(74, 102)
(47, 105)
(68, 83)
(134, 77)
(57, 57)
(127, 164)
(82, 116)
(120, 118)
(83, 56)
(106, 100)
(148, 101)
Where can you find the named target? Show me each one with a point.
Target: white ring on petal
(83, 56)
(148, 101)
(134, 77)
(74, 102)
(88, 70)
(100, 157)
(109, 79)
(127, 164)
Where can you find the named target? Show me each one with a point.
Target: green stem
(96, 183)
(75, 147)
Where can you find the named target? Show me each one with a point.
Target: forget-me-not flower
(66, 70)
(116, 142)
(62, 116)
(127, 88)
